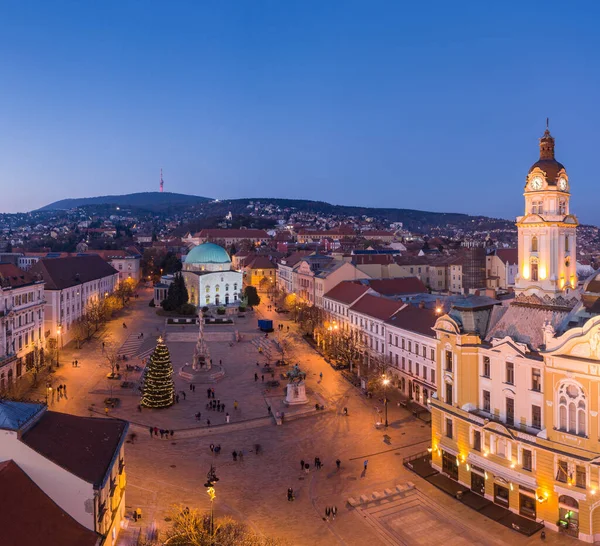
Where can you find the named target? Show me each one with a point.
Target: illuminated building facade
(515, 418)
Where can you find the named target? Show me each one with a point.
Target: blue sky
(427, 105)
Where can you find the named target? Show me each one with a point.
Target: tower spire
(547, 143)
(161, 181)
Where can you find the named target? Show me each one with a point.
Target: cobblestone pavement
(166, 473)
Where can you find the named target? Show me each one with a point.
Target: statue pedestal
(296, 394)
(202, 375)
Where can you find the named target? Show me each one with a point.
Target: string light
(159, 389)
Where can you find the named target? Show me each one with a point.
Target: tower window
(534, 244)
(536, 207)
(534, 271)
(562, 207)
(566, 243)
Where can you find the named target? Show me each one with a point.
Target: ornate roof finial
(548, 124)
(547, 143)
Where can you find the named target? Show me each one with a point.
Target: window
(572, 409)
(403, 343)
(536, 207)
(424, 351)
(448, 361)
(410, 366)
(534, 244)
(449, 393)
(477, 440)
(536, 380)
(424, 373)
(510, 373)
(403, 363)
(536, 417)
(562, 473)
(486, 401)
(501, 447)
(432, 355)
(486, 366)
(432, 380)
(527, 459)
(410, 347)
(580, 476)
(562, 208)
(510, 411)
(566, 243)
(417, 368)
(416, 348)
(448, 427)
(534, 271)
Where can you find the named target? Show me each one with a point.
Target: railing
(421, 455)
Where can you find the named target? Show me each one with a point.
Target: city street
(164, 473)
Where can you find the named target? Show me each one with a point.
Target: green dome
(208, 253)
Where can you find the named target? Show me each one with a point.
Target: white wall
(65, 489)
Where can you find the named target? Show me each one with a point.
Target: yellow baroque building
(515, 418)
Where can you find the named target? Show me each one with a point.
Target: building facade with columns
(515, 419)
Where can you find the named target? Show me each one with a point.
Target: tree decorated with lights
(159, 388)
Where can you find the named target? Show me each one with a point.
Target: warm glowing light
(526, 271)
(511, 487)
(542, 272)
(468, 467)
(386, 381)
(211, 493)
(562, 282)
(593, 491)
(512, 465)
(485, 474)
(457, 462)
(573, 281)
(438, 310)
(429, 449)
(486, 453)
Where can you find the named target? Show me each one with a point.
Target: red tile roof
(11, 275)
(373, 259)
(234, 233)
(85, 446)
(415, 319)
(397, 286)
(377, 307)
(28, 517)
(261, 262)
(508, 255)
(346, 292)
(61, 273)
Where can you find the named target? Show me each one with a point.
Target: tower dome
(547, 162)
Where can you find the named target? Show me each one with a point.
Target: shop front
(568, 516)
(478, 480)
(501, 493)
(527, 503)
(449, 465)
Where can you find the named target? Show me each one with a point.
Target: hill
(145, 200)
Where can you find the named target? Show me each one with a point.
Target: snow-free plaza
(171, 471)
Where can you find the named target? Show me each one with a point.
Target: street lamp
(385, 400)
(211, 479)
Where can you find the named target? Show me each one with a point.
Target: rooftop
(85, 446)
(61, 273)
(13, 277)
(28, 517)
(376, 307)
(346, 292)
(415, 319)
(15, 415)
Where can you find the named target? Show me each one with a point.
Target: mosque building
(515, 420)
(209, 277)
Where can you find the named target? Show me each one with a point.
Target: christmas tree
(159, 388)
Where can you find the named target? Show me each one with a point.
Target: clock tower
(547, 233)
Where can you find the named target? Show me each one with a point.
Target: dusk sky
(426, 105)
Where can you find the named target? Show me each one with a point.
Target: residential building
(79, 462)
(228, 237)
(517, 418)
(502, 268)
(285, 271)
(338, 301)
(70, 285)
(21, 323)
(259, 268)
(412, 353)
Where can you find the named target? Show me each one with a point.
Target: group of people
(61, 391)
(164, 433)
(306, 466)
(75, 363)
(330, 512)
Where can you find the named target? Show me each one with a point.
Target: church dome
(547, 162)
(207, 253)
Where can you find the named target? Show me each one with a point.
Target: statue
(296, 388)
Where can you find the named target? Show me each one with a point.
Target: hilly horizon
(157, 201)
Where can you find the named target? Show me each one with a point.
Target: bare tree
(111, 356)
(79, 330)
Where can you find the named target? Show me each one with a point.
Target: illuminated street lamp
(385, 400)
(211, 479)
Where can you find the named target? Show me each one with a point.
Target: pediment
(497, 427)
(570, 220)
(581, 342)
(532, 219)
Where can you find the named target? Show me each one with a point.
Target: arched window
(562, 207)
(217, 288)
(572, 409)
(207, 288)
(226, 288)
(534, 271)
(534, 244)
(566, 243)
(207, 299)
(235, 285)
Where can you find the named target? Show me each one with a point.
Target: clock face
(562, 184)
(536, 183)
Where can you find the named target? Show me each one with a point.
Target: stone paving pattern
(165, 473)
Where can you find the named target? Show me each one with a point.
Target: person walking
(338, 463)
(255, 377)
(208, 422)
(190, 386)
(234, 455)
(333, 511)
(183, 393)
(207, 391)
(263, 378)
(151, 431)
(365, 464)
(302, 464)
(235, 404)
(212, 392)
(321, 376)
(327, 513)
(177, 399)
(227, 417)
(317, 463)
(290, 494)
(306, 468)
(212, 448)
